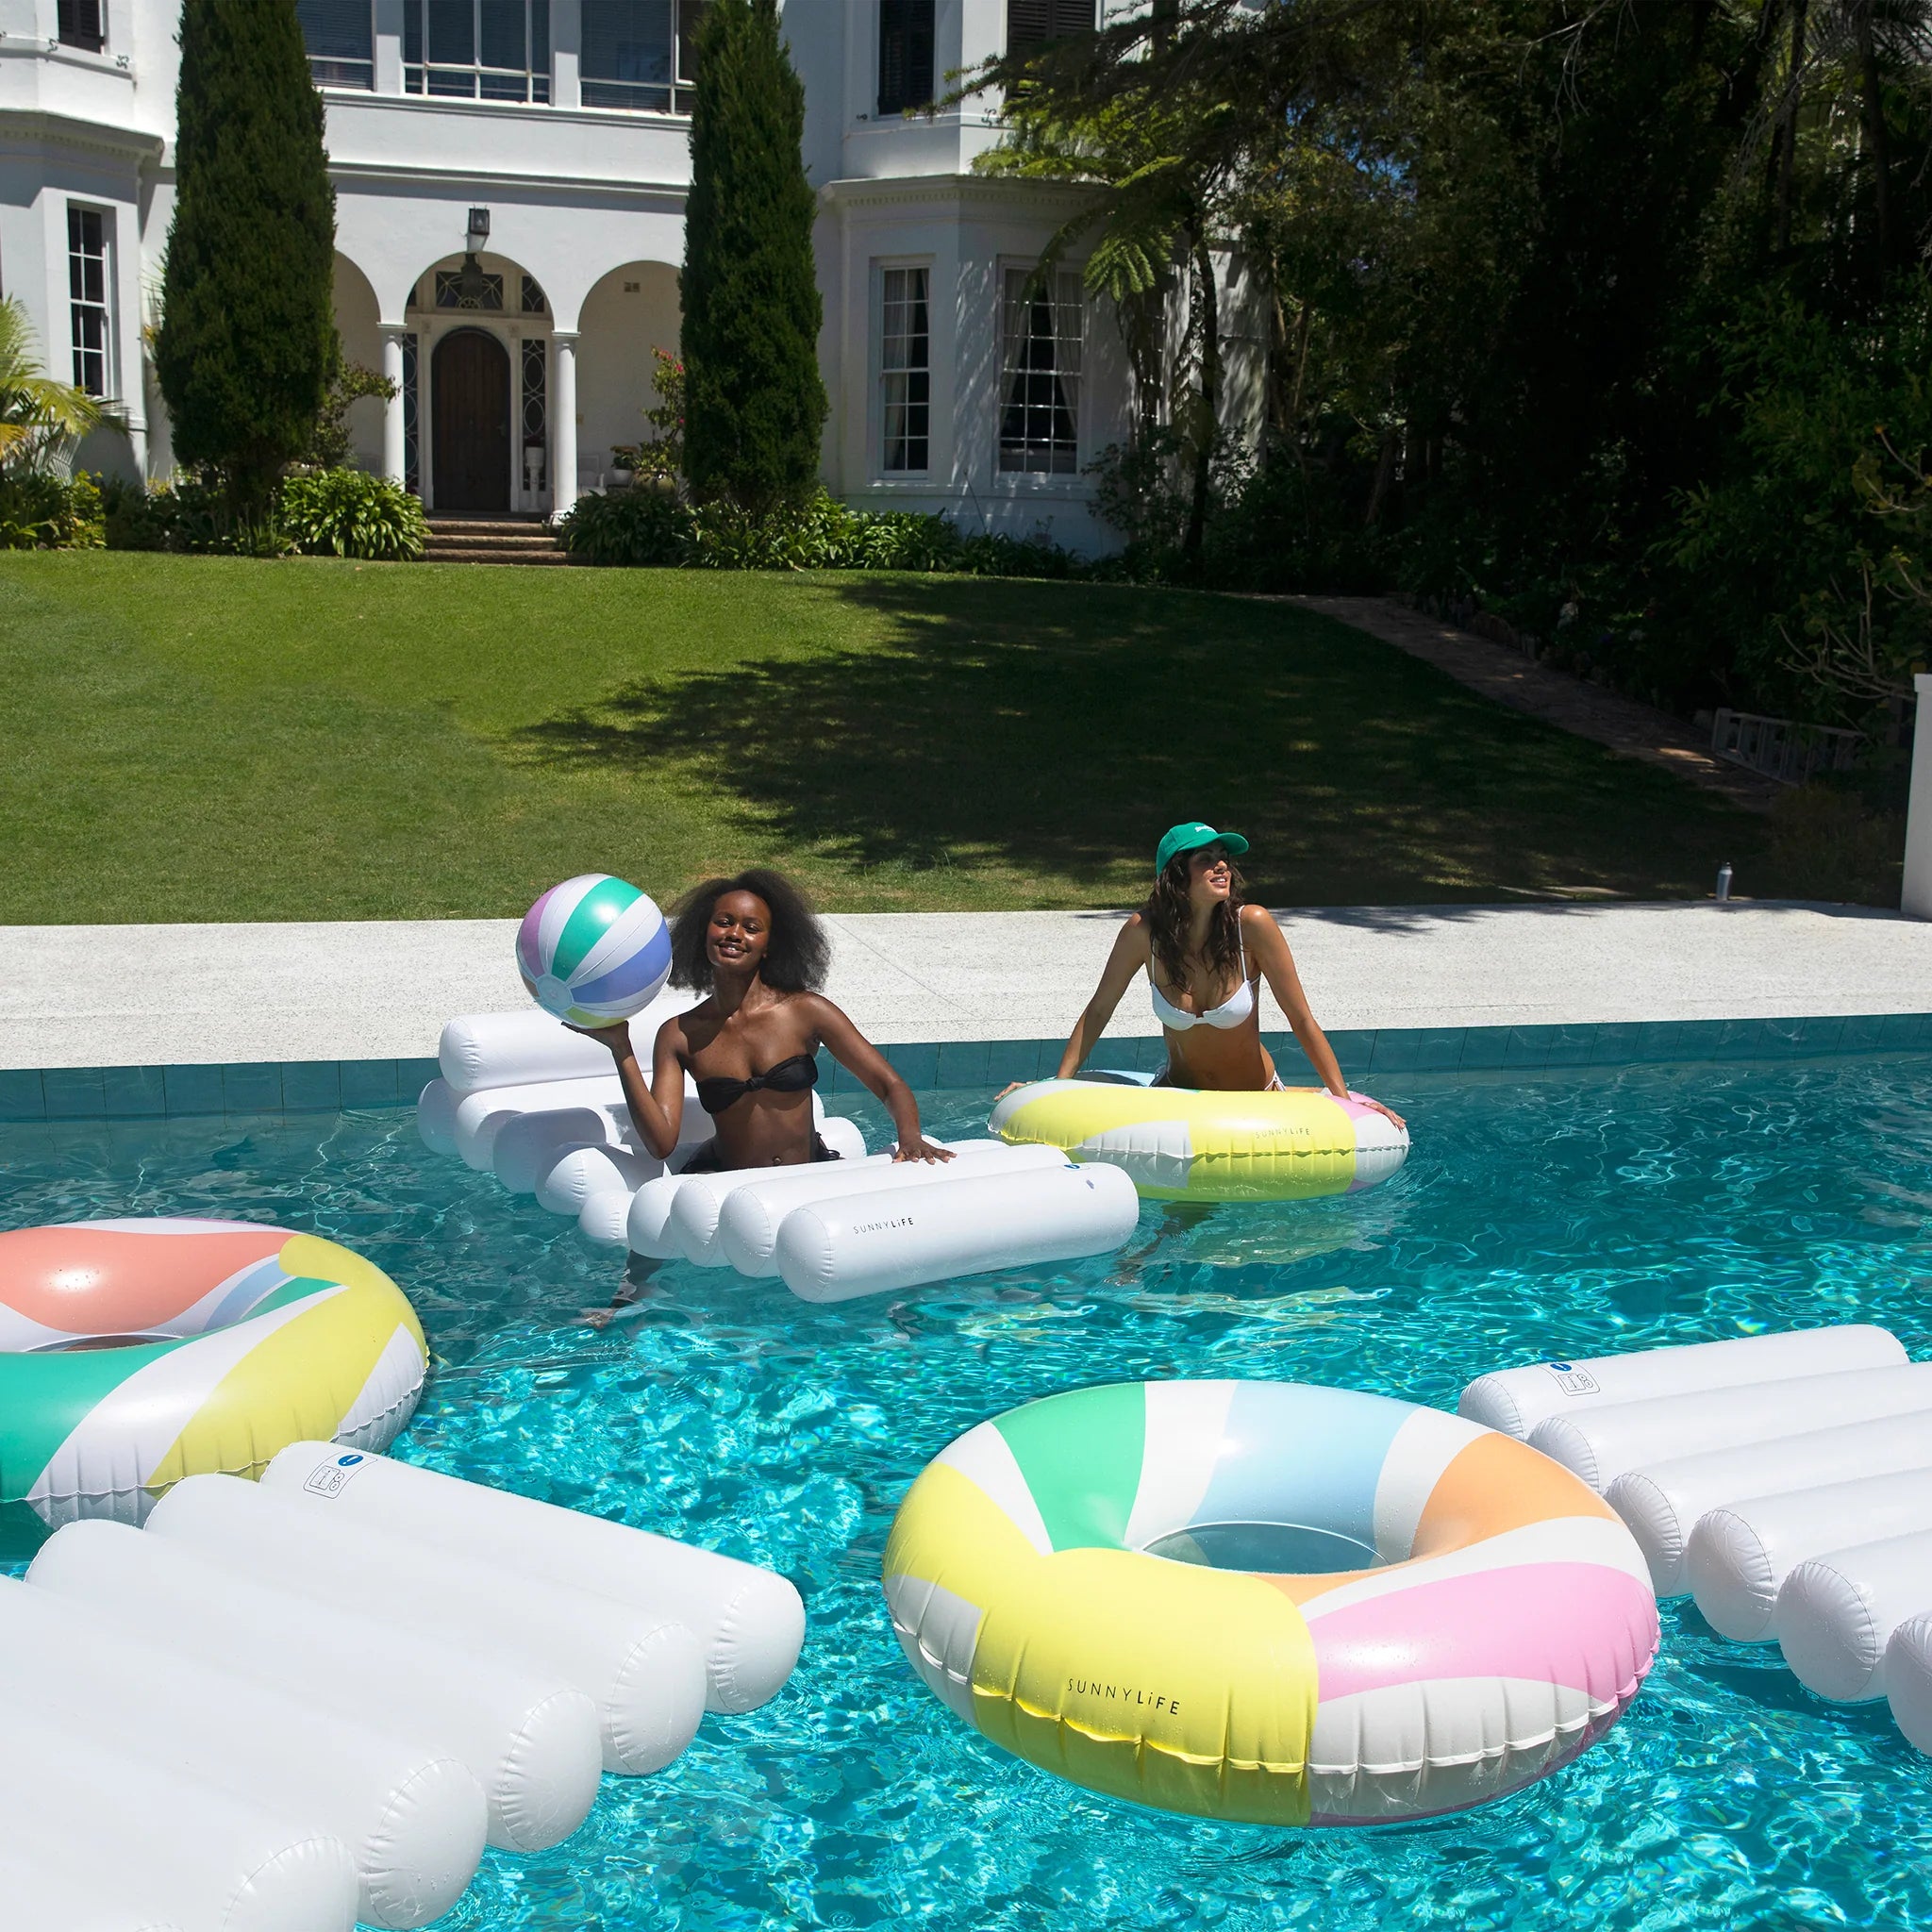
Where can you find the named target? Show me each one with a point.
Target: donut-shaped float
(135, 1353)
(1268, 1602)
(1184, 1143)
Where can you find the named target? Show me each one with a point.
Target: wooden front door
(469, 391)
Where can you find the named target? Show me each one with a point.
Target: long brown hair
(1168, 912)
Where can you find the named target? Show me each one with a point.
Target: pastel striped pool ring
(593, 950)
(134, 1352)
(1269, 1602)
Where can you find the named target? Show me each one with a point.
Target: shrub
(351, 513)
(135, 518)
(629, 526)
(41, 512)
(1827, 841)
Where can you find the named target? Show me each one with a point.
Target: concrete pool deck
(192, 995)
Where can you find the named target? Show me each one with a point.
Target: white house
(510, 181)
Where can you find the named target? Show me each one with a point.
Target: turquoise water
(1537, 1216)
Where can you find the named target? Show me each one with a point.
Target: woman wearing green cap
(1202, 948)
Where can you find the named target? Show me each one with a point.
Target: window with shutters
(639, 54)
(88, 315)
(489, 50)
(905, 55)
(81, 24)
(1040, 371)
(1030, 22)
(339, 36)
(905, 371)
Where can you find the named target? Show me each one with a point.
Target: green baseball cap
(1191, 837)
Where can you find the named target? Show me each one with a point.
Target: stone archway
(471, 410)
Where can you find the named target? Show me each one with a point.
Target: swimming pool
(1555, 1213)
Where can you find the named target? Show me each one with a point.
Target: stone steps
(492, 539)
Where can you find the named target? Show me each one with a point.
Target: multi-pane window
(339, 36)
(639, 54)
(87, 293)
(1030, 22)
(905, 55)
(491, 50)
(478, 292)
(534, 302)
(81, 25)
(905, 370)
(1040, 371)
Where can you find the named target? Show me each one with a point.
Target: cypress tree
(753, 403)
(247, 340)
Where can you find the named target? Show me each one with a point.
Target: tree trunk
(1788, 127)
(1385, 474)
(1210, 393)
(1875, 136)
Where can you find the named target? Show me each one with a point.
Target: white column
(563, 424)
(566, 59)
(395, 457)
(388, 44)
(1917, 897)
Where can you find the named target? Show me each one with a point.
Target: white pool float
(1600, 1445)
(192, 1853)
(482, 1050)
(877, 1242)
(746, 1237)
(748, 1621)
(1835, 1613)
(1741, 1555)
(641, 1669)
(1662, 1502)
(1908, 1679)
(529, 1737)
(412, 1815)
(1516, 1400)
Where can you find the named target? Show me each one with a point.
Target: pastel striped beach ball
(593, 950)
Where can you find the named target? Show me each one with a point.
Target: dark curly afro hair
(797, 956)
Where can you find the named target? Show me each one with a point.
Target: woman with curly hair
(1203, 949)
(754, 947)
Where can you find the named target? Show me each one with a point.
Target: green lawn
(193, 739)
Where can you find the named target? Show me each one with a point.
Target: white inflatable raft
(522, 1097)
(1783, 1480)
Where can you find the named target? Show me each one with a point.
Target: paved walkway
(1507, 676)
(158, 995)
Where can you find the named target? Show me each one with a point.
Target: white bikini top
(1232, 1011)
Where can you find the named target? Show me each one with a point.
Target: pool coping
(295, 1087)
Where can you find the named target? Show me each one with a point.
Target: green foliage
(247, 340)
(38, 511)
(649, 527)
(41, 420)
(661, 455)
(351, 513)
(329, 445)
(754, 401)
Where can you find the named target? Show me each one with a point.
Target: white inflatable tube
(198, 1856)
(481, 1116)
(641, 1669)
(578, 1173)
(483, 1050)
(1516, 1400)
(874, 1243)
(1909, 1680)
(1741, 1554)
(1835, 1613)
(436, 1118)
(525, 1146)
(603, 1216)
(1600, 1446)
(648, 1228)
(1662, 1502)
(49, 1899)
(749, 1623)
(412, 1815)
(529, 1739)
(747, 1229)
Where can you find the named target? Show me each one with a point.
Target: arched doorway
(470, 400)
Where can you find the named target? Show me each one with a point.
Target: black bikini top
(793, 1076)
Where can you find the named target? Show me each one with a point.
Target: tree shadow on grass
(1056, 730)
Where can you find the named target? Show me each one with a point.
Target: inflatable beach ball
(593, 950)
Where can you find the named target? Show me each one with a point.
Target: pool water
(1543, 1215)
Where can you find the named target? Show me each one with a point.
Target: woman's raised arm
(657, 1109)
(1129, 954)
